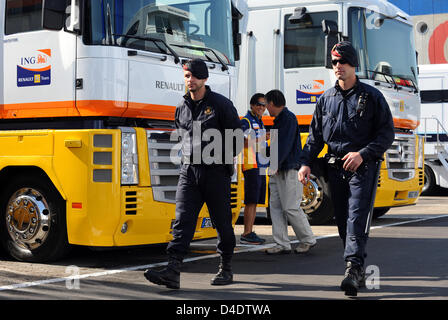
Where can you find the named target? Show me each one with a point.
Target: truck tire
(378, 212)
(33, 220)
(430, 182)
(316, 199)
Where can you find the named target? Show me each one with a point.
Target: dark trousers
(199, 184)
(351, 194)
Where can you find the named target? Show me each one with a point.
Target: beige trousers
(285, 196)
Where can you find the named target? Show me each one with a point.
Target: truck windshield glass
(304, 43)
(385, 47)
(190, 23)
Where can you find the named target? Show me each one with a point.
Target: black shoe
(354, 279)
(251, 238)
(167, 277)
(223, 277)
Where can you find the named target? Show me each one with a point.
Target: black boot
(169, 276)
(354, 279)
(224, 275)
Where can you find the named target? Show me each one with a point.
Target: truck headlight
(421, 151)
(129, 156)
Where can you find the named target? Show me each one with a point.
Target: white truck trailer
(433, 82)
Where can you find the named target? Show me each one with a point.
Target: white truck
(433, 82)
(88, 90)
(286, 45)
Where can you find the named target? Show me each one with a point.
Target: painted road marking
(242, 248)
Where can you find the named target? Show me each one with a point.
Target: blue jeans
(351, 194)
(199, 184)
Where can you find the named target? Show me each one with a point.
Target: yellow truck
(87, 99)
(286, 45)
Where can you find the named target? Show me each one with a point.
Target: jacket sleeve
(383, 131)
(229, 119)
(315, 141)
(176, 118)
(229, 116)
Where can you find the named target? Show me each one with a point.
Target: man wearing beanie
(355, 121)
(201, 180)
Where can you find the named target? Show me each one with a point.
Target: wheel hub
(312, 195)
(28, 218)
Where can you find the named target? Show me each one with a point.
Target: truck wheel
(32, 220)
(316, 200)
(378, 212)
(430, 181)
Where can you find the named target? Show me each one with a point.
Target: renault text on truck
(88, 90)
(286, 45)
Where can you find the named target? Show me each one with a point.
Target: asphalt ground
(406, 260)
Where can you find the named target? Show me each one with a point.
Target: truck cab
(87, 100)
(286, 45)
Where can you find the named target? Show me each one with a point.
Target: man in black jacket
(355, 121)
(203, 178)
(284, 187)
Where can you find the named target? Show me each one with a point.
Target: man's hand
(352, 161)
(304, 174)
(272, 172)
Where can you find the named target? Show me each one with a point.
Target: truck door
(304, 74)
(39, 65)
(261, 57)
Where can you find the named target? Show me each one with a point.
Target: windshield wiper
(385, 75)
(395, 82)
(155, 40)
(224, 66)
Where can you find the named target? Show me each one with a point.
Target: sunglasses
(341, 61)
(258, 104)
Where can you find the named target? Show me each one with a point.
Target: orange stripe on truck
(86, 108)
(406, 123)
(111, 108)
(304, 120)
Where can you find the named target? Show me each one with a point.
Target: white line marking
(249, 248)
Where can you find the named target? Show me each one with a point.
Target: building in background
(430, 19)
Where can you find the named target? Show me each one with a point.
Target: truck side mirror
(330, 28)
(301, 16)
(236, 16)
(53, 14)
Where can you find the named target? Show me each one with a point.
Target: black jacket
(214, 111)
(289, 144)
(340, 121)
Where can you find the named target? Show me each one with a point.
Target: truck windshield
(182, 25)
(385, 47)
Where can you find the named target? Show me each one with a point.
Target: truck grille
(163, 168)
(401, 158)
(164, 163)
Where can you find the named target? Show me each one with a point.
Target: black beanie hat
(197, 67)
(345, 50)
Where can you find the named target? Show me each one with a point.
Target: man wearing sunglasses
(355, 121)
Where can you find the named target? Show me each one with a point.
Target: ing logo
(34, 69)
(309, 92)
